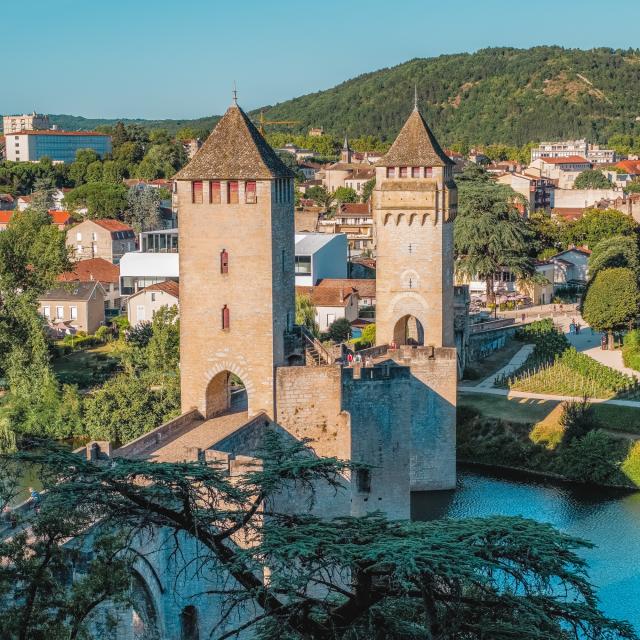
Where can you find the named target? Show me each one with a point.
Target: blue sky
(179, 59)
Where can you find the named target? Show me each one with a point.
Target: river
(610, 520)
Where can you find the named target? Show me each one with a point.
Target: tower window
(363, 480)
(404, 172)
(250, 192)
(232, 192)
(428, 172)
(196, 192)
(415, 172)
(391, 172)
(214, 192)
(224, 261)
(226, 323)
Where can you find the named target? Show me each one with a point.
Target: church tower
(236, 267)
(345, 154)
(415, 201)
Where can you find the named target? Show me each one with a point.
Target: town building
(191, 146)
(103, 238)
(537, 191)
(332, 301)
(564, 169)
(156, 260)
(59, 146)
(571, 267)
(104, 272)
(7, 202)
(319, 255)
(59, 218)
(297, 152)
(583, 198)
(76, 308)
(142, 306)
(568, 148)
(5, 219)
(24, 122)
(355, 220)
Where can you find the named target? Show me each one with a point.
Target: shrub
(594, 458)
(339, 330)
(577, 419)
(103, 333)
(631, 465)
(631, 350)
(140, 334)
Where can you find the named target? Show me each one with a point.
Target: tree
(633, 186)
(320, 196)
(611, 300)
(367, 189)
(616, 251)
(119, 135)
(345, 194)
(549, 233)
(327, 579)
(592, 179)
(490, 234)
(306, 314)
(596, 225)
(339, 330)
(143, 208)
(101, 199)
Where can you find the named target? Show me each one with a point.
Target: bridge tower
(237, 290)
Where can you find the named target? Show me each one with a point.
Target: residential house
(366, 288)
(61, 219)
(319, 255)
(356, 221)
(102, 271)
(104, 238)
(5, 218)
(359, 178)
(631, 167)
(23, 202)
(584, 198)
(78, 306)
(570, 267)
(539, 290)
(142, 306)
(331, 303)
(298, 153)
(156, 260)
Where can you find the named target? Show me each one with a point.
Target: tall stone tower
(415, 201)
(236, 267)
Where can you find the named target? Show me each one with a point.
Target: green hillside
(503, 95)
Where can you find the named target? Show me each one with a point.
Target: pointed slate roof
(234, 150)
(415, 146)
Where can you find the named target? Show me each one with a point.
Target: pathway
(510, 393)
(515, 363)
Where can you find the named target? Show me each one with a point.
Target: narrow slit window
(225, 318)
(196, 192)
(250, 192)
(214, 192)
(363, 480)
(232, 192)
(224, 261)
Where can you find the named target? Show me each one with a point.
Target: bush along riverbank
(575, 447)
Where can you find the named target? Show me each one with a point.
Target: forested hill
(511, 96)
(505, 95)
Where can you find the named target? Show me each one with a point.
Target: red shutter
(428, 172)
(415, 172)
(196, 192)
(250, 192)
(214, 192)
(225, 317)
(232, 192)
(391, 172)
(404, 172)
(224, 261)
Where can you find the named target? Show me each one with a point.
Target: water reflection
(609, 519)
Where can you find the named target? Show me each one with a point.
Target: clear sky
(179, 59)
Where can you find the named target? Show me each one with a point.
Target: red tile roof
(168, 286)
(568, 213)
(632, 167)
(60, 218)
(5, 216)
(327, 296)
(366, 287)
(567, 160)
(354, 207)
(92, 269)
(113, 225)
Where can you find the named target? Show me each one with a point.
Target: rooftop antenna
(235, 93)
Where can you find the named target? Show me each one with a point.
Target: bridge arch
(225, 391)
(408, 330)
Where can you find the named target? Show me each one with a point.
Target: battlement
(429, 352)
(390, 371)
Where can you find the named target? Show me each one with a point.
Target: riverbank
(599, 457)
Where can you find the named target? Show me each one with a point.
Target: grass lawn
(87, 367)
(493, 363)
(530, 411)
